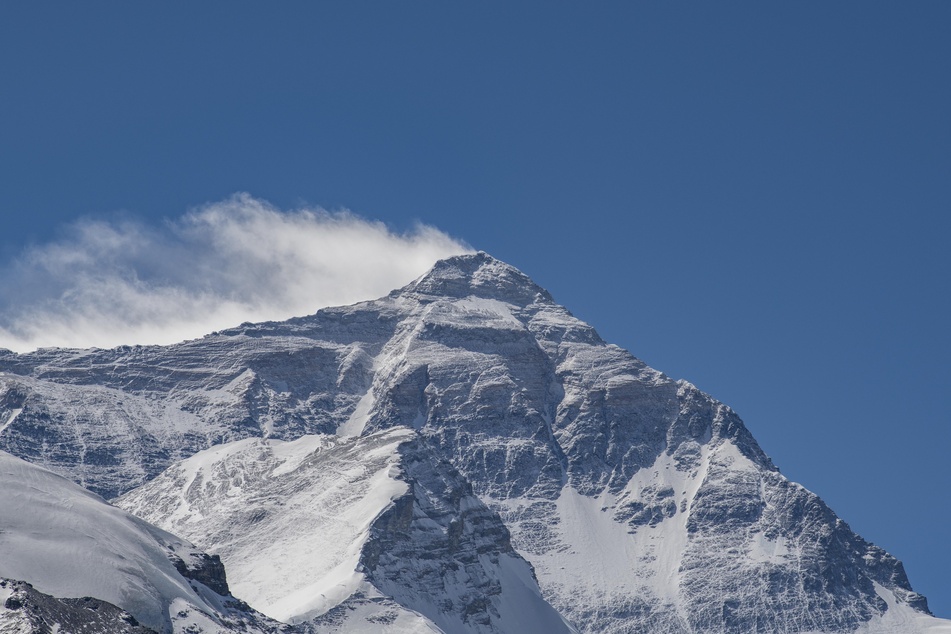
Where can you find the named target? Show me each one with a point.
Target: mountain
(456, 456)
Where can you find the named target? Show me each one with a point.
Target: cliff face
(506, 430)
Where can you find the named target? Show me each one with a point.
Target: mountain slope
(642, 503)
(305, 525)
(68, 543)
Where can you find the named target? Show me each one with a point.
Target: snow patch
(474, 311)
(372, 613)
(521, 606)
(357, 422)
(765, 550)
(12, 417)
(292, 454)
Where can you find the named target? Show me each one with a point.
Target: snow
(464, 355)
(375, 614)
(519, 606)
(765, 550)
(475, 311)
(901, 619)
(13, 414)
(522, 608)
(729, 455)
(598, 557)
(11, 621)
(68, 542)
(591, 558)
(289, 519)
(98, 419)
(602, 558)
(355, 425)
(291, 455)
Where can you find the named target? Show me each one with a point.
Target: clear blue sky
(752, 196)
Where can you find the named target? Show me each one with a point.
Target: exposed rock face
(642, 503)
(439, 550)
(28, 611)
(203, 568)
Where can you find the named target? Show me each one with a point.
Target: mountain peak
(480, 275)
(524, 433)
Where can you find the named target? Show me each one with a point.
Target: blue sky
(751, 196)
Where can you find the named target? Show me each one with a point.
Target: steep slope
(307, 525)
(69, 544)
(642, 503)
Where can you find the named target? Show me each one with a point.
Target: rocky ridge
(24, 610)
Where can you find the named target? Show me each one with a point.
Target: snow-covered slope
(303, 526)
(289, 519)
(642, 503)
(68, 543)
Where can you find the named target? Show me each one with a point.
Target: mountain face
(306, 524)
(462, 455)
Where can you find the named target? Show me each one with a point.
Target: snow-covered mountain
(462, 455)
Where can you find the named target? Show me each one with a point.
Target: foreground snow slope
(642, 503)
(69, 543)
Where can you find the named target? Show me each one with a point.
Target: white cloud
(112, 283)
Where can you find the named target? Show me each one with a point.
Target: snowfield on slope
(68, 542)
(287, 518)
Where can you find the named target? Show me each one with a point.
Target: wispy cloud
(119, 282)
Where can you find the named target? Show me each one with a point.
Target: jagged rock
(24, 610)
(203, 568)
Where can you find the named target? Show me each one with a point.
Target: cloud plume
(119, 282)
